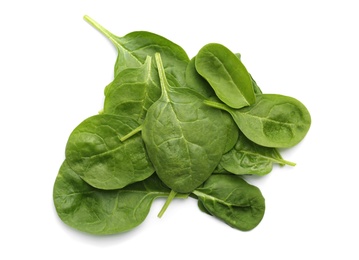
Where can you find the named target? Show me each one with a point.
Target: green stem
(215, 105)
(162, 75)
(283, 162)
(133, 132)
(170, 197)
(100, 28)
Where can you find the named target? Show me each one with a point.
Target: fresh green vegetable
(95, 152)
(103, 212)
(185, 140)
(196, 82)
(256, 88)
(248, 157)
(133, 91)
(273, 121)
(226, 74)
(133, 49)
(175, 128)
(233, 200)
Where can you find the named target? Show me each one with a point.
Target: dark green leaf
(95, 152)
(256, 88)
(273, 121)
(185, 140)
(196, 82)
(133, 91)
(233, 200)
(133, 49)
(226, 74)
(248, 157)
(102, 212)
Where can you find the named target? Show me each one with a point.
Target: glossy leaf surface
(226, 74)
(133, 49)
(185, 140)
(133, 91)
(255, 86)
(273, 121)
(103, 212)
(95, 152)
(248, 157)
(196, 82)
(233, 200)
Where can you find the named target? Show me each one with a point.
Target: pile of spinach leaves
(174, 127)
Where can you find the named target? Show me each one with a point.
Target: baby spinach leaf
(232, 132)
(196, 82)
(250, 158)
(95, 152)
(203, 208)
(185, 140)
(273, 121)
(103, 212)
(220, 170)
(256, 88)
(226, 74)
(233, 200)
(133, 49)
(133, 91)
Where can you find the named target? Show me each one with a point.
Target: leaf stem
(100, 28)
(216, 105)
(133, 132)
(170, 197)
(285, 162)
(281, 161)
(161, 73)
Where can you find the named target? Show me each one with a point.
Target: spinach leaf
(196, 82)
(103, 212)
(133, 49)
(185, 140)
(232, 132)
(233, 200)
(133, 91)
(248, 157)
(95, 152)
(203, 208)
(273, 121)
(255, 86)
(226, 74)
(220, 170)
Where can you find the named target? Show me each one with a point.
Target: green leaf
(226, 74)
(196, 82)
(248, 157)
(133, 49)
(273, 121)
(103, 212)
(133, 91)
(256, 88)
(95, 152)
(185, 140)
(233, 200)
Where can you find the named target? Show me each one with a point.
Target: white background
(54, 67)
